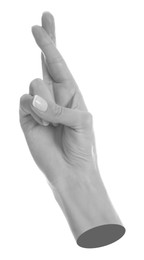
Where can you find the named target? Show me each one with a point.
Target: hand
(59, 132)
(65, 147)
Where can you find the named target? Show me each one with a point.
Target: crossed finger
(64, 83)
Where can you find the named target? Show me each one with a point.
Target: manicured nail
(40, 103)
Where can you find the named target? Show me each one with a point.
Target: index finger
(56, 65)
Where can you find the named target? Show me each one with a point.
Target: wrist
(88, 209)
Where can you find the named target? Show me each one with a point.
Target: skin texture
(57, 149)
(62, 143)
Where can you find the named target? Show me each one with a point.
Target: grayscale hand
(59, 132)
(61, 150)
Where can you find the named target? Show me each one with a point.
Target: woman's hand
(60, 139)
(59, 132)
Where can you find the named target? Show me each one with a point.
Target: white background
(103, 45)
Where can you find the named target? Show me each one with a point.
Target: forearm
(87, 207)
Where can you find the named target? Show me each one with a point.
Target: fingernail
(45, 123)
(40, 103)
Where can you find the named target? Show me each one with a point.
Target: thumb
(49, 111)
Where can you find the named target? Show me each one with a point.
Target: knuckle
(22, 99)
(34, 84)
(23, 103)
(58, 110)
